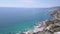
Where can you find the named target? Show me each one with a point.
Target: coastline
(48, 26)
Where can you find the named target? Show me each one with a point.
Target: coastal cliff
(48, 26)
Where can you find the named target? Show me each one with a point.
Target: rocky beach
(48, 26)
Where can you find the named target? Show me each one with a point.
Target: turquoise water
(13, 20)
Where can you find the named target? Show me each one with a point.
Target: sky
(29, 3)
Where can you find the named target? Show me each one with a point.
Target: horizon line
(29, 7)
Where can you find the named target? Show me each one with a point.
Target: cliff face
(49, 26)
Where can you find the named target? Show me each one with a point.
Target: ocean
(14, 20)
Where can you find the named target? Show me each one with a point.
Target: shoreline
(48, 26)
(35, 27)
